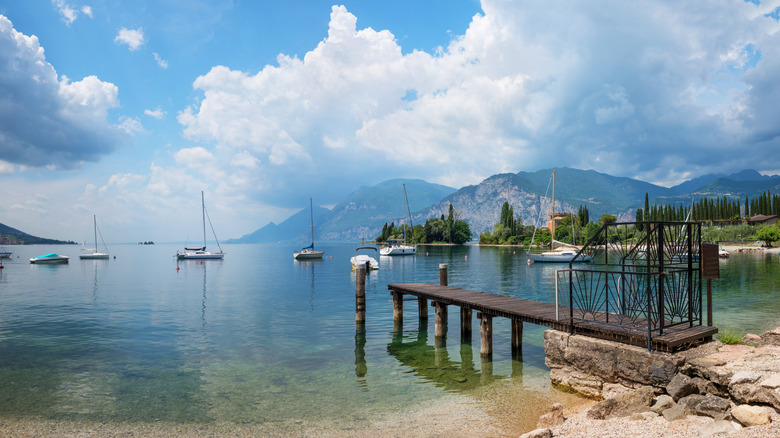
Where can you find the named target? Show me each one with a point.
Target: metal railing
(644, 277)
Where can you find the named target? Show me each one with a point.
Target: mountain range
(363, 213)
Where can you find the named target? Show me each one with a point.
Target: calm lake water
(259, 337)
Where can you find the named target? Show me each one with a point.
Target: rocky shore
(713, 390)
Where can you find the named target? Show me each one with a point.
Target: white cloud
(161, 62)
(157, 113)
(134, 38)
(67, 12)
(86, 10)
(46, 121)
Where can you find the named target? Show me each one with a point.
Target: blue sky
(128, 109)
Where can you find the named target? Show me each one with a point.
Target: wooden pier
(519, 311)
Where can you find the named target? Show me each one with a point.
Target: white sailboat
(308, 252)
(94, 254)
(200, 252)
(393, 247)
(559, 255)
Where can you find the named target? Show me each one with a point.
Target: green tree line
(711, 209)
(445, 229)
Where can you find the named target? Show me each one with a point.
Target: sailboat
(4, 253)
(308, 252)
(392, 246)
(559, 255)
(200, 252)
(94, 255)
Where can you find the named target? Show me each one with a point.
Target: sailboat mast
(311, 212)
(403, 216)
(94, 223)
(552, 216)
(203, 212)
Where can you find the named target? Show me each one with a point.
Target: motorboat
(560, 256)
(200, 252)
(50, 258)
(722, 253)
(364, 259)
(393, 247)
(92, 253)
(308, 252)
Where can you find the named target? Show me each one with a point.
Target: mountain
(360, 216)
(12, 236)
(530, 195)
(363, 213)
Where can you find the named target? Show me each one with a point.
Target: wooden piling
(486, 333)
(440, 330)
(360, 294)
(517, 336)
(465, 325)
(398, 306)
(422, 307)
(443, 274)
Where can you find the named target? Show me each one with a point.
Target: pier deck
(520, 310)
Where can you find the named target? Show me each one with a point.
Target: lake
(259, 338)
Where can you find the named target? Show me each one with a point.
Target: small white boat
(722, 253)
(309, 253)
(200, 252)
(393, 247)
(560, 256)
(50, 258)
(94, 254)
(364, 259)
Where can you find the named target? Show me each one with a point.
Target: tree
(768, 234)
(607, 219)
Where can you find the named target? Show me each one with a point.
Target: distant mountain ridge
(363, 213)
(12, 236)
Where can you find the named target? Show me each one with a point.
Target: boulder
(623, 405)
(719, 428)
(745, 388)
(752, 339)
(552, 418)
(538, 433)
(662, 403)
(749, 415)
(681, 386)
(715, 407)
(676, 412)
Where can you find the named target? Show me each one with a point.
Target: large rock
(755, 387)
(713, 406)
(749, 415)
(662, 403)
(538, 433)
(681, 386)
(552, 418)
(623, 405)
(717, 428)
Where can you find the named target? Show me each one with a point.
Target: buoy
(201, 262)
(177, 267)
(467, 257)
(528, 261)
(513, 253)
(426, 252)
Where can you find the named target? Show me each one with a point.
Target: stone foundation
(600, 369)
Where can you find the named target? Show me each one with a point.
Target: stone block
(715, 407)
(662, 403)
(681, 386)
(623, 405)
(552, 418)
(749, 415)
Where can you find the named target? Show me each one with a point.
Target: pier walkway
(518, 310)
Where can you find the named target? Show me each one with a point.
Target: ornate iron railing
(644, 277)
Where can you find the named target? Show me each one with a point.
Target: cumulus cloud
(134, 38)
(611, 86)
(157, 113)
(46, 121)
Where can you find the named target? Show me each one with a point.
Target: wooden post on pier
(517, 337)
(465, 325)
(443, 274)
(440, 329)
(398, 306)
(360, 294)
(486, 333)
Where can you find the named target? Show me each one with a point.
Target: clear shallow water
(259, 337)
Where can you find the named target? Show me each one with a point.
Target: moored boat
(364, 259)
(308, 252)
(200, 252)
(50, 258)
(92, 253)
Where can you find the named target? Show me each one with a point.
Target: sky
(127, 110)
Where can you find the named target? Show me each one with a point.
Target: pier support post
(422, 307)
(398, 306)
(360, 350)
(360, 294)
(465, 325)
(440, 331)
(486, 334)
(517, 337)
(443, 274)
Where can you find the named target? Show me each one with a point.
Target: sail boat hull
(94, 256)
(308, 254)
(397, 250)
(200, 255)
